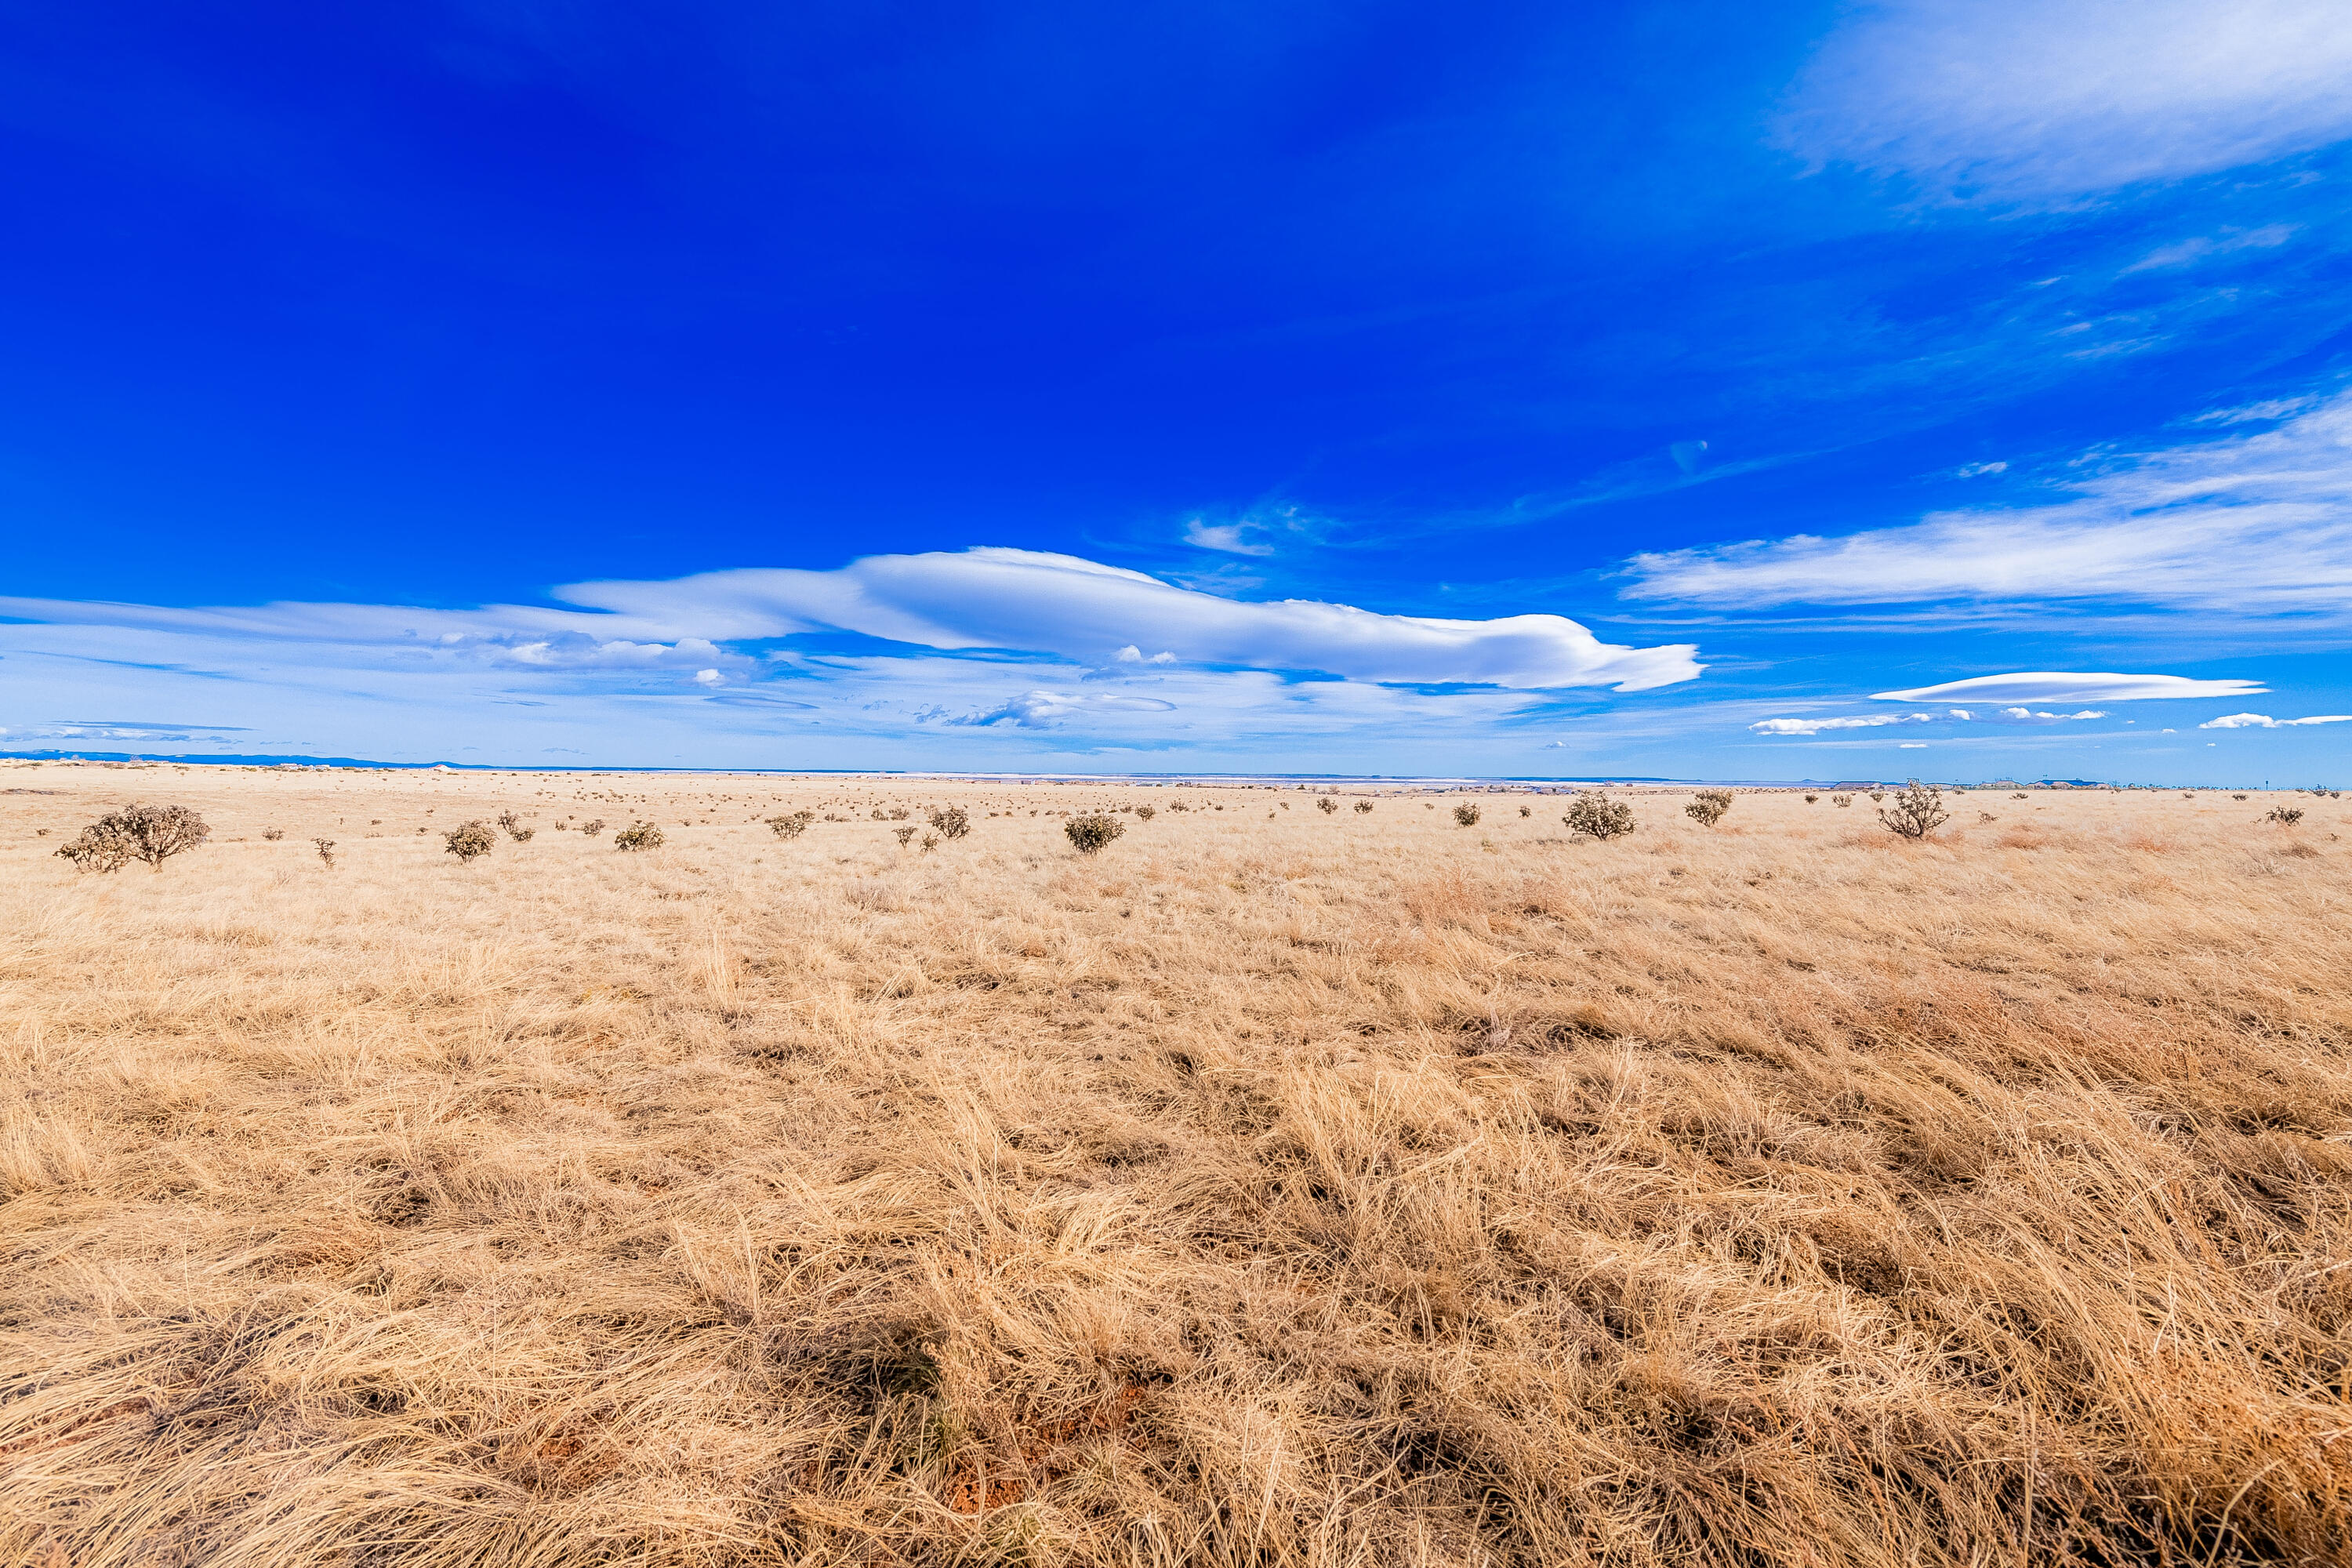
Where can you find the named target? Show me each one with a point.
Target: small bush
(1465, 814)
(326, 848)
(513, 825)
(150, 833)
(1598, 816)
(903, 835)
(1526, 811)
(639, 835)
(275, 833)
(1917, 812)
(522, 834)
(791, 825)
(951, 820)
(1841, 800)
(1878, 795)
(2237, 797)
(1811, 799)
(1326, 805)
(592, 826)
(2284, 815)
(1091, 832)
(1363, 807)
(1708, 807)
(469, 840)
(931, 842)
(1144, 814)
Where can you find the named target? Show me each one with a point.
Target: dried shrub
(592, 826)
(1526, 811)
(1362, 807)
(1811, 799)
(275, 833)
(1144, 814)
(2237, 797)
(1465, 814)
(1917, 812)
(1598, 816)
(931, 842)
(1327, 806)
(2284, 815)
(793, 824)
(326, 848)
(469, 840)
(638, 836)
(1708, 807)
(1841, 800)
(514, 828)
(902, 835)
(1090, 831)
(2019, 795)
(951, 820)
(150, 833)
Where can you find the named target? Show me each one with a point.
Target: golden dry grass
(1273, 1188)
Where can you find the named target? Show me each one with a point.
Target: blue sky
(1697, 390)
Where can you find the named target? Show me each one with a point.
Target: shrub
(150, 833)
(639, 835)
(1465, 814)
(1526, 811)
(1144, 814)
(1841, 800)
(2019, 795)
(96, 851)
(902, 835)
(791, 825)
(326, 848)
(592, 826)
(2237, 797)
(275, 833)
(900, 813)
(1598, 816)
(931, 842)
(1917, 812)
(2284, 815)
(1327, 806)
(469, 839)
(1708, 807)
(513, 825)
(951, 820)
(1091, 832)
(1811, 799)
(1363, 806)
(522, 834)
(1878, 795)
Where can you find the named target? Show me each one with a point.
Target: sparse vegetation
(1363, 807)
(1326, 805)
(1845, 800)
(1812, 800)
(592, 826)
(951, 821)
(1597, 816)
(1465, 815)
(904, 834)
(790, 824)
(1917, 812)
(1093, 830)
(1791, 1198)
(274, 833)
(514, 828)
(1708, 807)
(326, 849)
(2284, 815)
(1144, 814)
(468, 841)
(638, 836)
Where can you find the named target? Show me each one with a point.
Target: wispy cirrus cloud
(1816, 726)
(2071, 686)
(2026, 102)
(2256, 523)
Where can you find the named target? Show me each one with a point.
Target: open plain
(1276, 1186)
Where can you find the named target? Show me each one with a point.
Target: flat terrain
(1275, 1187)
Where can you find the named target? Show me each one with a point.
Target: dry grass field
(1275, 1187)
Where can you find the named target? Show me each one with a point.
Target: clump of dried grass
(1363, 1200)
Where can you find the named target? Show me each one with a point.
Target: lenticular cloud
(2071, 686)
(982, 598)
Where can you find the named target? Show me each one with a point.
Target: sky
(1958, 389)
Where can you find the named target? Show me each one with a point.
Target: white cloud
(1976, 470)
(2257, 523)
(1911, 746)
(708, 676)
(1815, 726)
(1037, 710)
(980, 598)
(2264, 721)
(2028, 715)
(2025, 100)
(1228, 537)
(2071, 686)
(2182, 254)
